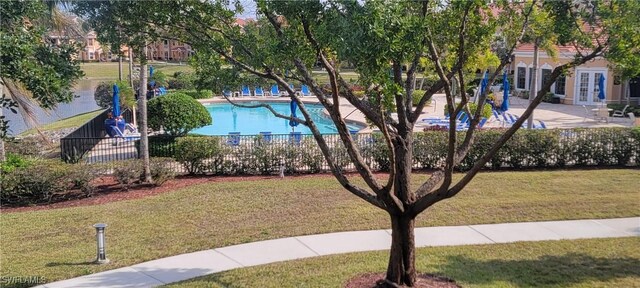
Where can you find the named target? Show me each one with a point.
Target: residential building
(580, 85)
(169, 50)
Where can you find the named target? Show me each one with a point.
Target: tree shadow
(54, 264)
(546, 270)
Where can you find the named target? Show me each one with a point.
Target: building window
(545, 75)
(90, 42)
(90, 55)
(166, 42)
(521, 78)
(561, 82)
(166, 55)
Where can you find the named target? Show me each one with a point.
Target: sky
(249, 9)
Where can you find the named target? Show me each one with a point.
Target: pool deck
(553, 115)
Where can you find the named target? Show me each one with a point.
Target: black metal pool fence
(86, 137)
(255, 154)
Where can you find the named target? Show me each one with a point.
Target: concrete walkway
(185, 266)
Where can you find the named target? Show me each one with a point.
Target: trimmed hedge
(527, 149)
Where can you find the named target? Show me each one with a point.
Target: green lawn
(109, 70)
(74, 121)
(58, 243)
(579, 263)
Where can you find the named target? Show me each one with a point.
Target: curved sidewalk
(185, 266)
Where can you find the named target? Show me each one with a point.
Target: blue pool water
(251, 121)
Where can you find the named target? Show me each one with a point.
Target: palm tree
(12, 88)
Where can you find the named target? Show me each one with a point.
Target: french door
(587, 88)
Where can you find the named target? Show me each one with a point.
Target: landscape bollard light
(102, 253)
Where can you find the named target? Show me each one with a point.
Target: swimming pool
(251, 121)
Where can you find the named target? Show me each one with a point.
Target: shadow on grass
(554, 270)
(54, 264)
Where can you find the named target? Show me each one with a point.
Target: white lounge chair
(618, 113)
(126, 135)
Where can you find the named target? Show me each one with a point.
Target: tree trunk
(142, 106)
(2, 153)
(131, 68)
(401, 269)
(534, 82)
(135, 121)
(402, 259)
(120, 67)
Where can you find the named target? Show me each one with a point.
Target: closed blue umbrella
(116, 101)
(601, 95)
(294, 107)
(484, 82)
(505, 95)
(151, 82)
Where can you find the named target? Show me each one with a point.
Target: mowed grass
(60, 243)
(109, 70)
(74, 121)
(579, 263)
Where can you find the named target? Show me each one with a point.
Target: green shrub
(359, 94)
(104, 94)
(160, 78)
(311, 156)
(417, 95)
(261, 157)
(194, 152)
(177, 114)
(12, 162)
(486, 110)
(127, 172)
(40, 181)
(289, 156)
(198, 94)
(379, 152)
(161, 170)
(182, 80)
(548, 98)
(340, 155)
(27, 146)
(430, 149)
(82, 176)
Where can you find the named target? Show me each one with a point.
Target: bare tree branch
(268, 107)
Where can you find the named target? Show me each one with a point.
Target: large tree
(34, 71)
(378, 38)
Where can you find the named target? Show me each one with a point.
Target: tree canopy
(32, 68)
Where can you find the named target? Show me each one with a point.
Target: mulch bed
(376, 280)
(108, 190)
